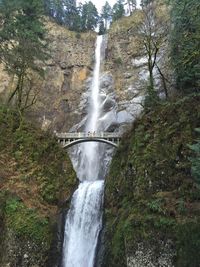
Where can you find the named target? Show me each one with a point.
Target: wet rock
(148, 255)
(108, 104)
(124, 117)
(127, 75)
(106, 83)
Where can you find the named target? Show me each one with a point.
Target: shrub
(196, 159)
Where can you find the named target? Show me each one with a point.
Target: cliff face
(70, 65)
(151, 199)
(126, 61)
(62, 93)
(65, 73)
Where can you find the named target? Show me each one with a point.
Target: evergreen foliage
(22, 43)
(131, 5)
(106, 13)
(80, 18)
(61, 10)
(118, 10)
(89, 17)
(102, 28)
(71, 14)
(146, 2)
(185, 40)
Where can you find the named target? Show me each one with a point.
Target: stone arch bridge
(70, 139)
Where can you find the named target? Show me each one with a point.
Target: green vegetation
(25, 221)
(84, 17)
(188, 236)
(89, 17)
(80, 18)
(196, 160)
(37, 157)
(36, 178)
(106, 14)
(131, 5)
(118, 10)
(118, 61)
(150, 192)
(185, 38)
(153, 32)
(22, 44)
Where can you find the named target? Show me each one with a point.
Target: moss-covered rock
(37, 179)
(152, 202)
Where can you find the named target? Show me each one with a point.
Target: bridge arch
(99, 140)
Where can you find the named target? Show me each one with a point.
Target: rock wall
(65, 76)
(60, 90)
(126, 64)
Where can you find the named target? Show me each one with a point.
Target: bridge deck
(70, 139)
(89, 135)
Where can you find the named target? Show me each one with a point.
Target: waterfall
(84, 219)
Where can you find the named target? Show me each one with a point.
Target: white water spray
(84, 220)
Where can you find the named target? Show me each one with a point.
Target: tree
(153, 32)
(90, 16)
(102, 28)
(106, 13)
(22, 44)
(71, 14)
(118, 10)
(82, 17)
(59, 11)
(131, 5)
(145, 3)
(65, 12)
(77, 19)
(185, 38)
(49, 7)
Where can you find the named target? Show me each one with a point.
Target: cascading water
(84, 219)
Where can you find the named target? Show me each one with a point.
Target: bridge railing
(87, 135)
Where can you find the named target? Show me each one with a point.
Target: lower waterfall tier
(83, 224)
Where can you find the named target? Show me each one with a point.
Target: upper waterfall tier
(88, 154)
(94, 106)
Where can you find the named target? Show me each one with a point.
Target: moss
(36, 177)
(38, 158)
(150, 193)
(188, 243)
(26, 222)
(118, 61)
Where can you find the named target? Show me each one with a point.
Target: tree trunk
(163, 81)
(20, 90)
(151, 79)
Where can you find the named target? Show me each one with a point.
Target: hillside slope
(36, 179)
(152, 203)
